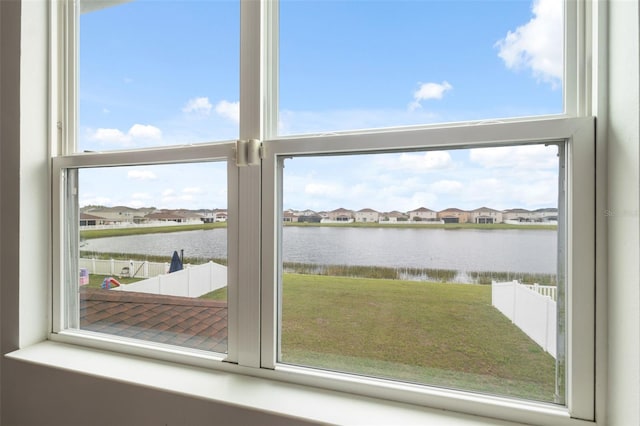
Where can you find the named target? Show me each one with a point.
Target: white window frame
(579, 136)
(253, 300)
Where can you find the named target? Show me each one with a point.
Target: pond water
(510, 250)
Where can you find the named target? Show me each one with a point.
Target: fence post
(93, 265)
(112, 266)
(145, 269)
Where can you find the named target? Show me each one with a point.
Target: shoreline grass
(358, 271)
(87, 234)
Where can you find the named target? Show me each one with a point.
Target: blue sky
(161, 72)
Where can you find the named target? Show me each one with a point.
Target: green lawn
(439, 334)
(117, 232)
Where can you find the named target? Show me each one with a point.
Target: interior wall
(623, 220)
(42, 396)
(9, 178)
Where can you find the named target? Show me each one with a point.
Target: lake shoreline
(87, 234)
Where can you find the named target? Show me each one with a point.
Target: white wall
(623, 403)
(9, 177)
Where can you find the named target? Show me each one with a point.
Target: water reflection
(460, 249)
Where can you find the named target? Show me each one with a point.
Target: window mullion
(246, 300)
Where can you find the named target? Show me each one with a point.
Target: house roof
(86, 216)
(367, 211)
(517, 211)
(484, 208)
(341, 210)
(421, 210)
(164, 215)
(395, 213)
(453, 209)
(183, 321)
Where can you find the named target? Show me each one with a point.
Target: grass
(415, 274)
(219, 294)
(96, 280)
(118, 232)
(148, 257)
(439, 334)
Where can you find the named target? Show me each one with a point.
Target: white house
(423, 214)
(367, 215)
(485, 215)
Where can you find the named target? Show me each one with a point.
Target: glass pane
(437, 267)
(157, 73)
(351, 64)
(153, 253)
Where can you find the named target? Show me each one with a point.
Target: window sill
(238, 390)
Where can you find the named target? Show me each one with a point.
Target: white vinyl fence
(190, 282)
(529, 309)
(129, 268)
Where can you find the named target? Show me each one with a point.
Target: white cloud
(142, 131)
(95, 201)
(141, 196)
(168, 192)
(192, 190)
(323, 189)
(199, 105)
(428, 91)
(446, 186)
(136, 203)
(138, 174)
(229, 110)
(418, 162)
(538, 43)
(116, 136)
(110, 135)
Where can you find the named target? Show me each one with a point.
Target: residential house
(546, 215)
(340, 215)
(453, 215)
(485, 215)
(423, 214)
(393, 217)
(367, 215)
(117, 215)
(289, 217)
(518, 215)
(165, 216)
(91, 220)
